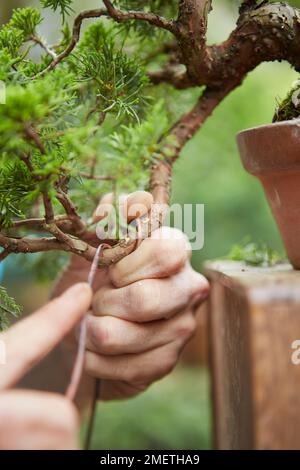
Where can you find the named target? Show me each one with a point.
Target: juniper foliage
(96, 113)
(8, 308)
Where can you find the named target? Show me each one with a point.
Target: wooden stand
(254, 317)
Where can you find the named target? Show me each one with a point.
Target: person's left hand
(143, 310)
(36, 420)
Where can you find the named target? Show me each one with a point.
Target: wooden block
(254, 317)
(196, 351)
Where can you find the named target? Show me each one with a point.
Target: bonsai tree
(90, 114)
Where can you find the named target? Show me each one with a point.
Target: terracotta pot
(272, 154)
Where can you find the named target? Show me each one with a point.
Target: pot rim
(290, 122)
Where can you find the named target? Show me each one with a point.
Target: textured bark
(192, 24)
(264, 32)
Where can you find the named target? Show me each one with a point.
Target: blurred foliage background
(175, 413)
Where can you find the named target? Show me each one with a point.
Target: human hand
(39, 420)
(143, 309)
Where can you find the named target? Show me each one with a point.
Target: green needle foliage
(63, 6)
(8, 308)
(96, 113)
(289, 107)
(26, 20)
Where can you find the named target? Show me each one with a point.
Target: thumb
(30, 340)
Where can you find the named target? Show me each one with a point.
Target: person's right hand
(39, 420)
(143, 307)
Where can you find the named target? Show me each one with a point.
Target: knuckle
(104, 335)
(115, 274)
(199, 287)
(142, 300)
(169, 362)
(102, 301)
(91, 364)
(127, 371)
(99, 333)
(202, 284)
(135, 376)
(187, 327)
(170, 256)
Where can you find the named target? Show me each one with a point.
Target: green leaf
(255, 254)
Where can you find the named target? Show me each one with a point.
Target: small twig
(93, 166)
(38, 40)
(151, 18)
(97, 13)
(49, 213)
(31, 134)
(117, 15)
(43, 244)
(59, 234)
(26, 159)
(38, 222)
(71, 211)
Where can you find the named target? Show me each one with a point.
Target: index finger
(30, 340)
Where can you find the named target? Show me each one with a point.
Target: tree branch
(182, 131)
(38, 223)
(160, 181)
(71, 211)
(151, 18)
(31, 134)
(265, 33)
(192, 24)
(43, 45)
(97, 13)
(37, 245)
(50, 224)
(49, 213)
(115, 14)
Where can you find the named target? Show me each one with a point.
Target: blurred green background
(175, 413)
